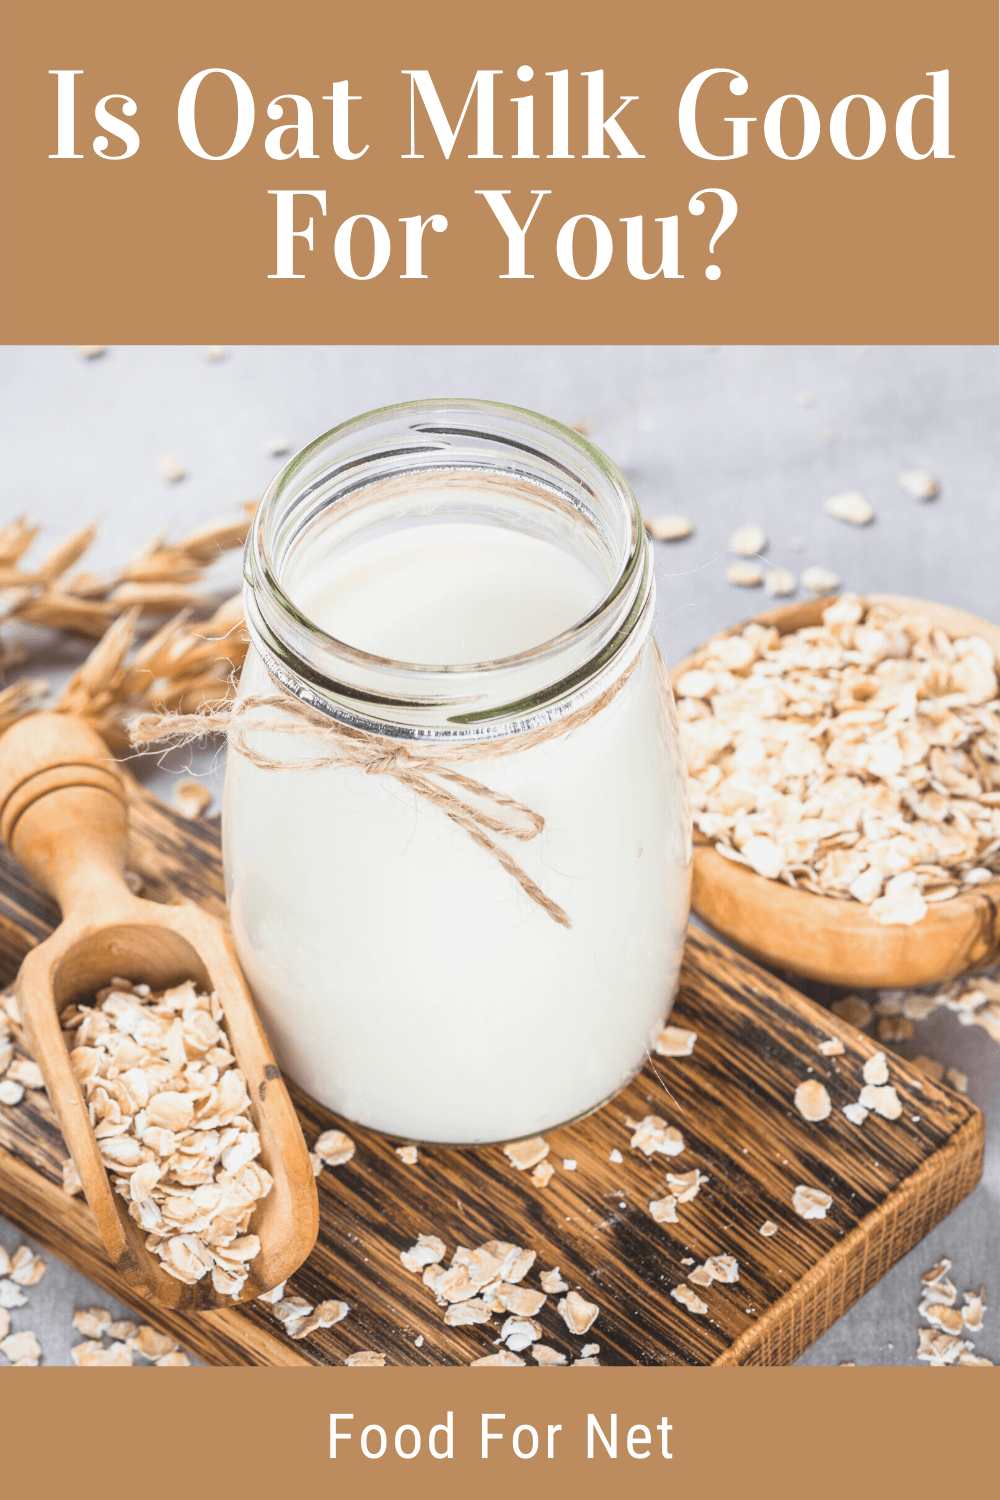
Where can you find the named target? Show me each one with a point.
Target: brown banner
(710, 1433)
(116, 229)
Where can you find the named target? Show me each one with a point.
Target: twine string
(429, 776)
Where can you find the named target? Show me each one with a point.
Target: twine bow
(429, 777)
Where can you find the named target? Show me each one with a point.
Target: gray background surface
(721, 435)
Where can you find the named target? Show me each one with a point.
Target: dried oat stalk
(185, 663)
(159, 579)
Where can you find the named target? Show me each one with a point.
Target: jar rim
(432, 437)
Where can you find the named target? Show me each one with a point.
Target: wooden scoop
(63, 815)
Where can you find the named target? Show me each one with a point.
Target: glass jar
(408, 977)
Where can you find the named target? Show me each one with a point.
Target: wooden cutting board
(732, 1100)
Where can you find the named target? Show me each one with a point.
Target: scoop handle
(63, 810)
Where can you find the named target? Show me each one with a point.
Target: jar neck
(437, 461)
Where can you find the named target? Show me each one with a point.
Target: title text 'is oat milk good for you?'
(456, 830)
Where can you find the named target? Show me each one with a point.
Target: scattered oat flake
(832, 1047)
(213, 352)
(588, 1361)
(942, 1290)
(676, 1041)
(664, 1210)
(615, 1156)
(723, 1268)
(850, 507)
(686, 1185)
(689, 1299)
(92, 1354)
(365, 1359)
(577, 1313)
(748, 540)
(26, 1268)
(876, 1069)
(11, 1295)
(820, 580)
(92, 1322)
(428, 1251)
(552, 1281)
(973, 1309)
(12, 1093)
(26, 1072)
(668, 528)
(465, 1314)
(856, 1113)
(544, 1354)
(958, 1080)
(323, 1316)
(20, 1346)
(569, 1164)
(408, 1155)
(276, 446)
(176, 1359)
(151, 1343)
(936, 1272)
(653, 1135)
(940, 1315)
(543, 1174)
(505, 1357)
(780, 582)
(938, 1348)
(812, 1100)
(526, 1154)
(192, 798)
(968, 1358)
(919, 484)
(90, 351)
(171, 467)
(519, 1333)
(811, 1203)
(121, 1330)
(768, 1228)
(745, 575)
(334, 1147)
(883, 1100)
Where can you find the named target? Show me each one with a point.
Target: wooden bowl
(820, 937)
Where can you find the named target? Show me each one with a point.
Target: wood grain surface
(732, 1100)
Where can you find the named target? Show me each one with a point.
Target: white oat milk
(459, 600)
